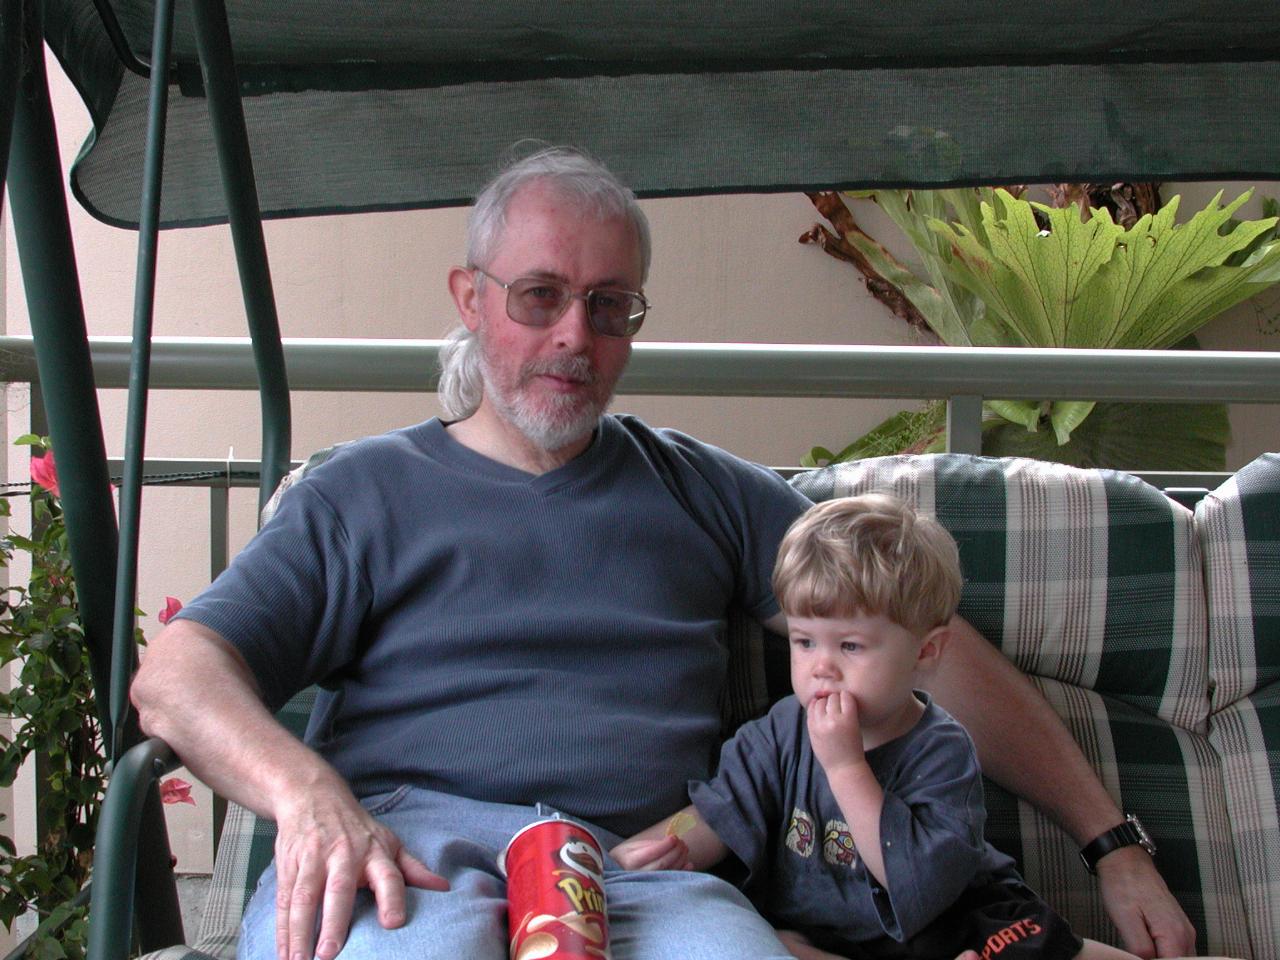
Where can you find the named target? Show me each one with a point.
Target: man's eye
(543, 295)
(608, 300)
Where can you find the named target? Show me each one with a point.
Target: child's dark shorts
(1001, 921)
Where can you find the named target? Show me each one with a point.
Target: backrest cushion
(1089, 577)
(1239, 528)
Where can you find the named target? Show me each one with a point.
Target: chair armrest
(116, 849)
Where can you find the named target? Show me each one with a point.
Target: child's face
(869, 656)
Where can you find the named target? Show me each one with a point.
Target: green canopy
(399, 103)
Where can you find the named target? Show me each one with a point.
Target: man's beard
(558, 421)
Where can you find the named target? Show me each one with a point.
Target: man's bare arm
(194, 691)
(1024, 746)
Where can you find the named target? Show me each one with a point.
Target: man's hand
(1150, 921)
(327, 847)
(661, 853)
(835, 732)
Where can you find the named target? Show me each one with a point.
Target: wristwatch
(1125, 835)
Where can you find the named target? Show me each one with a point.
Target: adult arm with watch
(1024, 746)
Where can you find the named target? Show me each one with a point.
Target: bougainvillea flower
(176, 790)
(45, 473)
(171, 606)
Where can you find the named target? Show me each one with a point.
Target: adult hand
(660, 853)
(834, 731)
(327, 847)
(1150, 921)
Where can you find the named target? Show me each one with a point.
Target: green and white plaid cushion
(1239, 528)
(1090, 581)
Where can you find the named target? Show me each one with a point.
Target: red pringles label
(555, 893)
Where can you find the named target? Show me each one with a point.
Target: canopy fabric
(354, 105)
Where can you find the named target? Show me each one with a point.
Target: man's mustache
(577, 369)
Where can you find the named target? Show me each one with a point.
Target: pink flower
(45, 473)
(171, 606)
(176, 790)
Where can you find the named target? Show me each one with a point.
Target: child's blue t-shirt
(771, 804)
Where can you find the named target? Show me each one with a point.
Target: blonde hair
(870, 554)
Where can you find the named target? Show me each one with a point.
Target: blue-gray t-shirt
(771, 804)
(507, 637)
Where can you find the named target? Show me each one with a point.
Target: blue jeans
(658, 915)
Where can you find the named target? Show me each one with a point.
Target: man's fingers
(285, 877)
(339, 900)
(1132, 927)
(1173, 936)
(417, 874)
(303, 901)
(387, 884)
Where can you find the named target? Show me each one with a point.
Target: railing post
(964, 424)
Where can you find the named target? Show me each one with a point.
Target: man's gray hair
(578, 177)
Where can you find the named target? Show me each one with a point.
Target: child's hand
(662, 853)
(835, 732)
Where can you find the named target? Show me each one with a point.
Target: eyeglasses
(539, 302)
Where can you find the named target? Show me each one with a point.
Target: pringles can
(555, 893)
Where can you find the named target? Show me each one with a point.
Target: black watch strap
(1129, 833)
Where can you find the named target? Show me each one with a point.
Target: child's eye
(850, 647)
(804, 643)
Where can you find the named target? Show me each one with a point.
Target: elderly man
(521, 609)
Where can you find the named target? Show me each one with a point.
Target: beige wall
(725, 269)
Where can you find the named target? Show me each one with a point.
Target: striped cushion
(1091, 577)
(1090, 581)
(1239, 528)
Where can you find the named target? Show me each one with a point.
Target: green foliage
(51, 705)
(998, 270)
(1050, 279)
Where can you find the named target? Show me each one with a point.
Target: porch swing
(267, 110)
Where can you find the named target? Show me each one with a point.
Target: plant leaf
(1066, 415)
(1025, 412)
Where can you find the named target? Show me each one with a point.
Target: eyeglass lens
(540, 303)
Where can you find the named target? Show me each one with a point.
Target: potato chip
(681, 824)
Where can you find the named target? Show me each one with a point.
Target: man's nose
(572, 332)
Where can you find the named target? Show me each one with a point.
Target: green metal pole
(45, 250)
(213, 40)
(10, 67)
(111, 906)
(124, 650)
(47, 256)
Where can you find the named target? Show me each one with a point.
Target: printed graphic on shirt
(800, 833)
(837, 845)
(1013, 934)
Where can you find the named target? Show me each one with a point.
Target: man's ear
(931, 647)
(462, 287)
